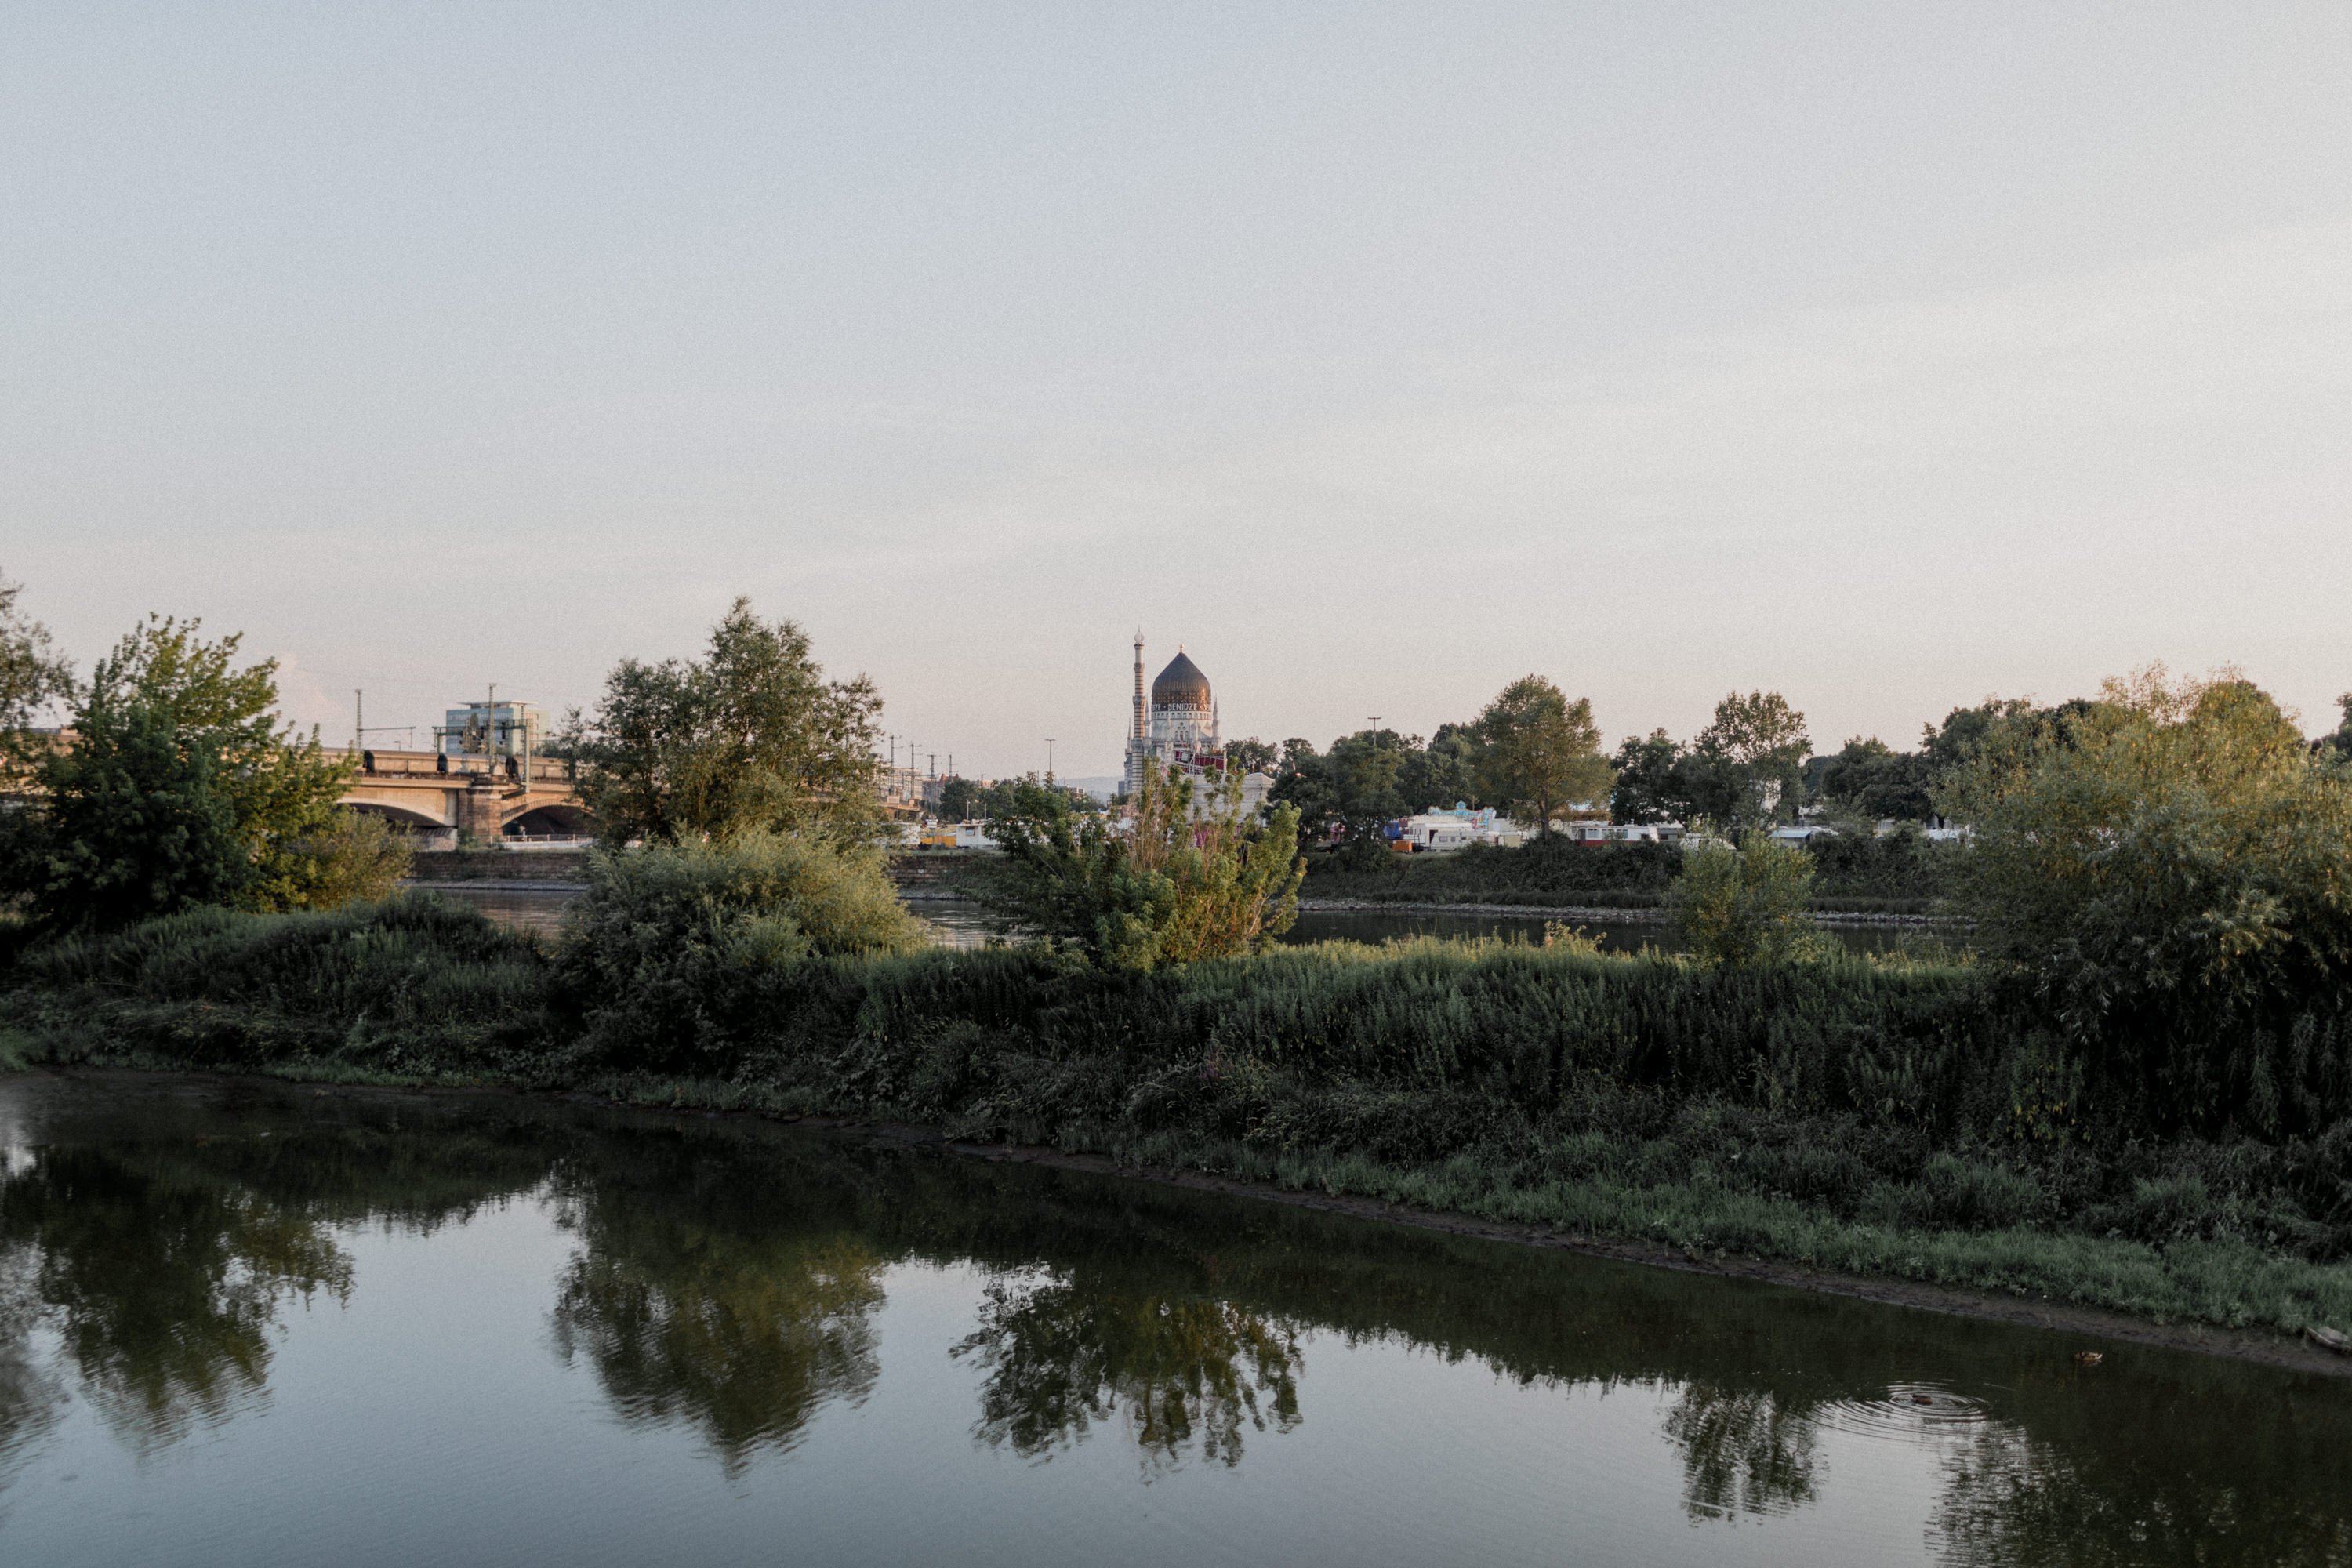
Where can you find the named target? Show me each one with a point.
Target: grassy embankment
(1890, 1118)
(1897, 875)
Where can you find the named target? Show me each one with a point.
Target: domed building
(1179, 725)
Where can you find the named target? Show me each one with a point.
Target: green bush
(666, 934)
(1737, 908)
(2169, 867)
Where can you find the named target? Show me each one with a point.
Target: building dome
(1180, 685)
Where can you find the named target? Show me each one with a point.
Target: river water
(958, 924)
(256, 1324)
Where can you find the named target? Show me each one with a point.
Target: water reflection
(1181, 1375)
(164, 1280)
(1744, 1451)
(728, 1282)
(741, 1338)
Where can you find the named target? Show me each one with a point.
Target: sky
(1889, 357)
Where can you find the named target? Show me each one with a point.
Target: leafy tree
(1187, 878)
(1443, 773)
(30, 675)
(181, 787)
(962, 800)
(129, 823)
(1252, 755)
(752, 736)
(1740, 908)
(1758, 744)
(1646, 788)
(357, 858)
(1347, 795)
(1868, 778)
(2168, 865)
(1541, 752)
(959, 799)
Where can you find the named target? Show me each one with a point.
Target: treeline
(1029, 796)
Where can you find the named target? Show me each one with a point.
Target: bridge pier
(478, 809)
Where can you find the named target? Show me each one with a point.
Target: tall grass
(410, 984)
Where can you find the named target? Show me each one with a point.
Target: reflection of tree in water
(2014, 1499)
(743, 1335)
(1061, 1355)
(29, 1394)
(164, 1284)
(1744, 1451)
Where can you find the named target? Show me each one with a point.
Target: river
(248, 1323)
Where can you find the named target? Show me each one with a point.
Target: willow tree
(750, 736)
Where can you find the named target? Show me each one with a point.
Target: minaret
(1139, 683)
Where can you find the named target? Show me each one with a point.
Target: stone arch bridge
(480, 796)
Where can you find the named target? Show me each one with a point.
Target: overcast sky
(1890, 356)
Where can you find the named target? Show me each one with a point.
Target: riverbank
(1612, 914)
(1856, 1118)
(2079, 1326)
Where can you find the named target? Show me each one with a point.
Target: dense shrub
(664, 935)
(2169, 865)
(1745, 905)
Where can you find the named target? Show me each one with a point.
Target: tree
(1444, 772)
(182, 787)
(1740, 908)
(752, 736)
(1252, 756)
(357, 857)
(1646, 789)
(30, 675)
(1347, 795)
(1541, 752)
(1189, 878)
(1760, 742)
(2167, 864)
(665, 942)
(1870, 779)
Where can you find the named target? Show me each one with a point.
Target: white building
(1178, 725)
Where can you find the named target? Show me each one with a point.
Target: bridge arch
(405, 814)
(549, 816)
